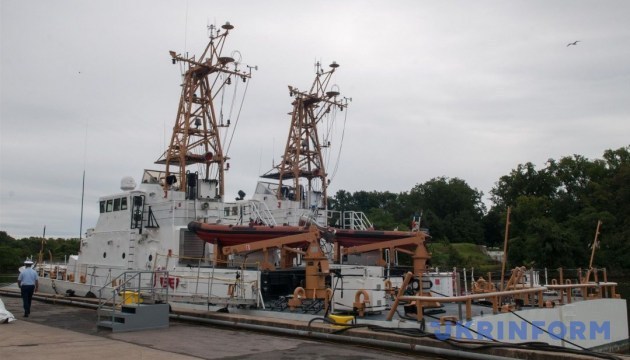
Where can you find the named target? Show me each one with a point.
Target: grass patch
(461, 255)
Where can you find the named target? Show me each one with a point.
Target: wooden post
(468, 309)
(605, 280)
(419, 304)
(590, 264)
(419, 308)
(401, 292)
(505, 242)
(561, 282)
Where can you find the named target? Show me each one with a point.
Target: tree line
(554, 210)
(13, 252)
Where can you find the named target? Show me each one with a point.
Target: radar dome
(127, 183)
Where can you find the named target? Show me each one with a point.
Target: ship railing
(526, 295)
(196, 262)
(133, 287)
(356, 220)
(584, 283)
(56, 271)
(210, 286)
(587, 291)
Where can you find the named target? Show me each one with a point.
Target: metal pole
(198, 273)
(590, 264)
(81, 221)
(465, 282)
(505, 241)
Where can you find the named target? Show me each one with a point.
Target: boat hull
(350, 238)
(231, 235)
(598, 324)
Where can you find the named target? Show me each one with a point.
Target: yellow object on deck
(130, 297)
(341, 319)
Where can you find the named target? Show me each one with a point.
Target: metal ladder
(261, 211)
(131, 254)
(356, 220)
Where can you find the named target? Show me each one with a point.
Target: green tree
(556, 209)
(452, 210)
(13, 252)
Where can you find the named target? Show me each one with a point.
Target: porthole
(150, 257)
(123, 255)
(104, 255)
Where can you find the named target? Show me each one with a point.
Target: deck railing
(527, 294)
(131, 286)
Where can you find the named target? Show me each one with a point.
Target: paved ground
(66, 332)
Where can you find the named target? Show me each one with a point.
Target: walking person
(28, 283)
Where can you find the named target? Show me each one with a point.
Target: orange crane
(317, 267)
(413, 246)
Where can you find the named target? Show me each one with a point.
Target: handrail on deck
(128, 278)
(494, 296)
(605, 286)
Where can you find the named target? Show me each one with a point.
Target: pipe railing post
(401, 292)
(468, 309)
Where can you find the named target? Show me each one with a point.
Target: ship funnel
(127, 183)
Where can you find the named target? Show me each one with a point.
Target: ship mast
(303, 158)
(196, 138)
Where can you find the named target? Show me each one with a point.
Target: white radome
(127, 183)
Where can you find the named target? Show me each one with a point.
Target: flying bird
(573, 43)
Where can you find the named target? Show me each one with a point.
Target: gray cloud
(449, 88)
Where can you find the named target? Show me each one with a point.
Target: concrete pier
(56, 330)
(62, 332)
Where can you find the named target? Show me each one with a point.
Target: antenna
(211, 28)
(186, 29)
(197, 125)
(255, 67)
(303, 160)
(318, 67)
(236, 55)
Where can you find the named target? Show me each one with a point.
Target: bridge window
(123, 203)
(117, 204)
(110, 205)
(102, 206)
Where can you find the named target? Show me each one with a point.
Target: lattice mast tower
(196, 139)
(303, 157)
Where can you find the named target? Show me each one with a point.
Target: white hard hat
(28, 262)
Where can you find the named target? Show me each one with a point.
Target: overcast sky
(466, 89)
